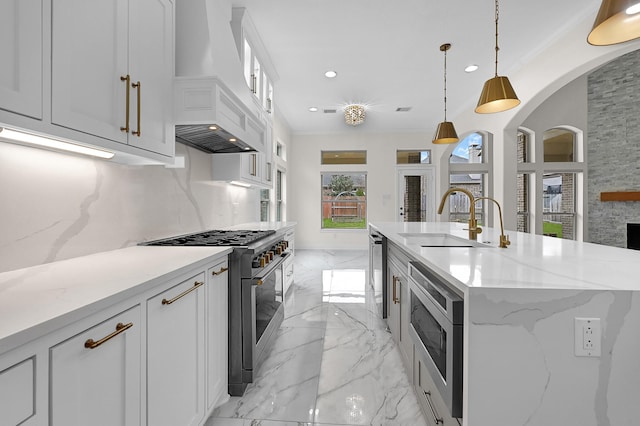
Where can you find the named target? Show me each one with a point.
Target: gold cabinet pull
(438, 420)
(221, 271)
(127, 79)
(120, 328)
(184, 293)
(395, 297)
(137, 86)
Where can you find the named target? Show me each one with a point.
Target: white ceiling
(386, 53)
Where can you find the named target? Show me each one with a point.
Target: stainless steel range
(255, 294)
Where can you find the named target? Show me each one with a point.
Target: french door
(416, 192)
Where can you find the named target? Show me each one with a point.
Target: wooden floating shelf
(620, 196)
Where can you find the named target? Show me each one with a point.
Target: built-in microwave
(436, 327)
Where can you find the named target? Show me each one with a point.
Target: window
(344, 200)
(469, 169)
(343, 157)
(549, 191)
(413, 157)
(280, 150)
(279, 196)
(559, 199)
(264, 205)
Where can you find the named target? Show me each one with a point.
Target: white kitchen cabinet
(21, 44)
(217, 328)
(112, 70)
(398, 299)
(95, 375)
(175, 348)
(17, 392)
(434, 409)
(248, 168)
(259, 72)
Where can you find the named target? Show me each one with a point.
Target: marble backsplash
(56, 206)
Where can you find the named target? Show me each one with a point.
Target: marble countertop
(37, 300)
(530, 262)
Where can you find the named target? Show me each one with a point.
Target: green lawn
(330, 224)
(552, 228)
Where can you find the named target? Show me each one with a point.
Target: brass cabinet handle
(184, 293)
(120, 328)
(259, 282)
(254, 165)
(137, 86)
(395, 297)
(438, 420)
(127, 79)
(221, 271)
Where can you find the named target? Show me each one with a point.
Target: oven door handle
(267, 270)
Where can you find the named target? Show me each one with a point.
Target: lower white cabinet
(217, 327)
(95, 375)
(17, 392)
(434, 409)
(175, 349)
(398, 315)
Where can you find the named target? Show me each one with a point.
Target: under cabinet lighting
(242, 184)
(45, 142)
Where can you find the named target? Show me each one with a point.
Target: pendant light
(497, 94)
(617, 21)
(445, 133)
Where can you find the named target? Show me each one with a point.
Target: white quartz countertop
(530, 262)
(40, 299)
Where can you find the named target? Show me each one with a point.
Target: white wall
(305, 190)
(57, 206)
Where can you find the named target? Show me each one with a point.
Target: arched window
(551, 191)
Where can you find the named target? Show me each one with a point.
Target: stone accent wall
(613, 147)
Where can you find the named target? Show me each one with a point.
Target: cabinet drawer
(433, 407)
(287, 274)
(17, 392)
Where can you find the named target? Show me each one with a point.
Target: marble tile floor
(333, 362)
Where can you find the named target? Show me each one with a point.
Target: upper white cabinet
(259, 72)
(95, 375)
(112, 70)
(21, 51)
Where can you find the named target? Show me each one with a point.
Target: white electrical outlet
(588, 337)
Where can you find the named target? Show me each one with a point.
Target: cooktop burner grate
(213, 238)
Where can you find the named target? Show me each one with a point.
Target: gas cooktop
(213, 238)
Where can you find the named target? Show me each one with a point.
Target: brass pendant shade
(617, 21)
(445, 133)
(497, 95)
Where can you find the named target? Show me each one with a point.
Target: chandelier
(354, 114)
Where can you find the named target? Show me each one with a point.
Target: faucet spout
(474, 229)
(504, 239)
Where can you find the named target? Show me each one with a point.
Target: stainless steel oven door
(263, 312)
(438, 342)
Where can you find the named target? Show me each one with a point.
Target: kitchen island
(520, 308)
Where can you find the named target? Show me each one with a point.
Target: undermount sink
(439, 240)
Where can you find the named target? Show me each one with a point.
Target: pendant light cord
(445, 84)
(497, 48)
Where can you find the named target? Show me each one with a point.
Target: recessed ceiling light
(313, 109)
(471, 68)
(330, 74)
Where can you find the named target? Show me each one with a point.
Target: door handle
(126, 79)
(395, 297)
(137, 86)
